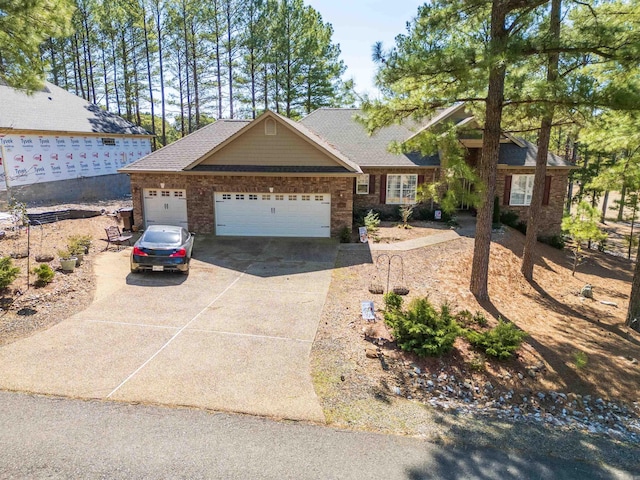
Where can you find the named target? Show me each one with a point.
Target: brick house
(276, 177)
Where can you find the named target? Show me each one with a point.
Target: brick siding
(550, 215)
(201, 188)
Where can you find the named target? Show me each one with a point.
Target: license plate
(157, 268)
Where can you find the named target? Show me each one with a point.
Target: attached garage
(268, 177)
(165, 207)
(273, 215)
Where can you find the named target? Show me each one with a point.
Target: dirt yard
(25, 308)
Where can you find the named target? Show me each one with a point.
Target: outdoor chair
(114, 236)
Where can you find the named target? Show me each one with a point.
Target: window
(362, 184)
(401, 189)
(521, 190)
(266, 197)
(153, 193)
(109, 142)
(226, 196)
(306, 198)
(253, 197)
(178, 194)
(165, 193)
(319, 198)
(279, 197)
(293, 197)
(239, 196)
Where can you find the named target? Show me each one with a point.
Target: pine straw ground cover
(575, 346)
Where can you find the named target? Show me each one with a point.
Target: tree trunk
(194, 69)
(633, 313)
(489, 156)
(77, 68)
(90, 80)
(218, 63)
(105, 78)
(544, 139)
(605, 202)
(150, 82)
(115, 74)
(161, 67)
(623, 194)
(230, 58)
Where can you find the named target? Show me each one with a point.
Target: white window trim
(402, 177)
(362, 181)
(528, 191)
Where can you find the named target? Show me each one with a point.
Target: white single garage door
(273, 215)
(165, 207)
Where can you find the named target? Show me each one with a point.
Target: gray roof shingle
(340, 129)
(54, 109)
(180, 154)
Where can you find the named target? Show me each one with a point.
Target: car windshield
(161, 237)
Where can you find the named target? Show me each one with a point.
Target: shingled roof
(53, 109)
(339, 127)
(178, 155)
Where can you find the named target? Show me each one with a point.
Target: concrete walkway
(235, 335)
(445, 236)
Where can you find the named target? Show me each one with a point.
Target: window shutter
(507, 190)
(355, 184)
(372, 184)
(547, 190)
(420, 179)
(383, 188)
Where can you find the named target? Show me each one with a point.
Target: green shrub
(80, 241)
(372, 221)
(44, 273)
(480, 319)
(500, 342)
(422, 329)
(509, 217)
(345, 235)
(555, 241)
(8, 273)
(521, 226)
(392, 301)
(496, 213)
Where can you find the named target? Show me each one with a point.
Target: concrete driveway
(234, 335)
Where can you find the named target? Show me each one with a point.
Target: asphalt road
(43, 437)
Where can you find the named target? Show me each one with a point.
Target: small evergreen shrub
(422, 329)
(345, 235)
(509, 217)
(500, 342)
(521, 226)
(555, 241)
(44, 273)
(480, 319)
(496, 213)
(392, 301)
(78, 241)
(372, 221)
(8, 273)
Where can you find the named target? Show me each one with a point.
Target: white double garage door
(248, 214)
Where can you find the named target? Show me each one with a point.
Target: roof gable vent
(270, 126)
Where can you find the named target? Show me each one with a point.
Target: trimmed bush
(500, 342)
(422, 329)
(345, 235)
(555, 241)
(372, 221)
(392, 301)
(8, 273)
(44, 273)
(509, 217)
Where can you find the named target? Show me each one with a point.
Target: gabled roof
(177, 156)
(53, 109)
(339, 127)
(189, 152)
(512, 155)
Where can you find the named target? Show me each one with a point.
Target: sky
(358, 24)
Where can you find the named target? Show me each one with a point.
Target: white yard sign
(29, 159)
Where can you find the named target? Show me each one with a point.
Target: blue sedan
(162, 247)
